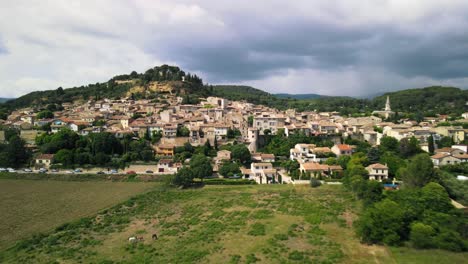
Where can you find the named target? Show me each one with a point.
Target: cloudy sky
(333, 47)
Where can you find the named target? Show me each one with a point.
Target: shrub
(421, 235)
(314, 183)
(296, 255)
(257, 229)
(251, 258)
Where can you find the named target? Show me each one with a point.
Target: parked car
(54, 170)
(27, 170)
(131, 172)
(11, 170)
(70, 172)
(100, 172)
(3, 170)
(114, 172)
(149, 171)
(78, 170)
(43, 170)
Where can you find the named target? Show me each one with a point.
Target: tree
(216, 143)
(388, 144)
(14, 154)
(373, 155)
(184, 177)
(241, 153)
(445, 142)
(382, 223)
(65, 157)
(393, 162)
(250, 121)
(200, 166)
(101, 158)
(419, 171)
(183, 131)
(343, 161)
(229, 169)
(60, 91)
(430, 142)
(421, 235)
(3, 115)
(290, 165)
(45, 114)
(436, 198)
(372, 193)
(409, 147)
(207, 148)
(81, 158)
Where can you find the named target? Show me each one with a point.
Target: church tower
(387, 105)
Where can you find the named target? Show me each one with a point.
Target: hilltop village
(230, 132)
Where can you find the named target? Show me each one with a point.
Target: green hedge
(82, 177)
(228, 182)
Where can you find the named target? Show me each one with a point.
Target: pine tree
(430, 142)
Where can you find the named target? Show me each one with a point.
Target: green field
(29, 207)
(220, 224)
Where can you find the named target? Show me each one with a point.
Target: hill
(239, 92)
(3, 100)
(429, 100)
(299, 96)
(160, 79)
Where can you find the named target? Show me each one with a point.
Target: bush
(296, 256)
(421, 235)
(228, 182)
(314, 183)
(257, 229)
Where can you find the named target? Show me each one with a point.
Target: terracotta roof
(461, 156)
(446, 149)
(314, 166)
(262, 164)
(45, 156)
(166, 146)
(344, 147)
(439, 156)
(322, 149)
(335, 167)
(378, 166)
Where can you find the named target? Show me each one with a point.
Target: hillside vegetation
(163, 78)
(299, 96)
(434, 99)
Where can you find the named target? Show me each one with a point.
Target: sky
(330, 47)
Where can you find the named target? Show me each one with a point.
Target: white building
(268, 121)
(377, 172)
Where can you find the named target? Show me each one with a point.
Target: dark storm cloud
(335, 47)
(261, 49)
(255, 55)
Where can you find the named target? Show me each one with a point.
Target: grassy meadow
(218, 224)
(29, 206)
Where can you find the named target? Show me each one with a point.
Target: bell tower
(387, 105)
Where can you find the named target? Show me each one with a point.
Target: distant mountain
(3, 100)
(247, 93)
(299, 96)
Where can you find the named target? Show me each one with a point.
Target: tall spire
(387, 105)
